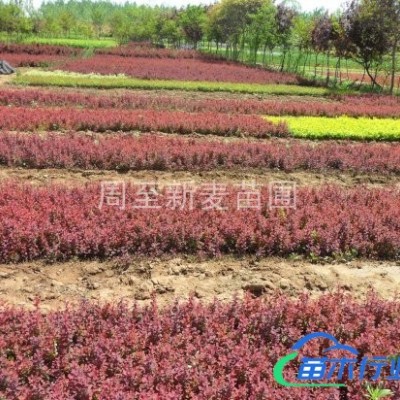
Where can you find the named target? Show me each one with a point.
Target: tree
(262, 30)
(234, 18)
(284, 20)
(98, 17)
(342, 44)
(66, 21)
(321, 38)
(392, 8)
(13, 19)
(302, 36)
(193, 21)
(366, 24)
(214, 27)
(166, 28)
(120, 26)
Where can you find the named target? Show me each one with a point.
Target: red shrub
(31, 119)
(190, 350)
(149, 51)
(30, 60)
(372, 106)
(179, 69)
(39, 49)
(153, 152)
(59, 223)
(35, 55)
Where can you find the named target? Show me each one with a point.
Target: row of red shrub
(56, 222)
(148, 50)
(35, 55)
(30, 60)
(133, 49)
(372, 106)
(370, 99)
(178, 69)
(50, 119)
(152, 152)
(38, 49)
(188, 350)
(143, 50)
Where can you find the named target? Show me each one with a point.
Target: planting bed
(68, 79)
(192, 350)
(352, 106)
(342, 128)
(31, 119)
(65, 223)
(184, 69)
(126, 152)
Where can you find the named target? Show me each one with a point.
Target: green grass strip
(341, 127)
(71, 42)
(63, 79)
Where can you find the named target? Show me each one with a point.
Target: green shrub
(342, 127)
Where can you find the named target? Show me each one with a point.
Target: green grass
(275, 59)
(341, 127)
(64, 79)
(81, 43)
(72, 42)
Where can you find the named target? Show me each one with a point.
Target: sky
(306, 5)
(310, 5)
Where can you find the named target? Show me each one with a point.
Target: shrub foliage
(56, 222)
(124, 152)
(189, 350)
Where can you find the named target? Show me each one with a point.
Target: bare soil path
(136, 280)
(73, 177)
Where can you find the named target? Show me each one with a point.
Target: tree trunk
(305, 62)
(242, 46)
(373, 78)
(398, 85)
(315, 66)
(337, 69)
(393, 77)
(255, 51)
(299, 58)
(283, 60)
(328, 73)
(264, 54)
(289, 60)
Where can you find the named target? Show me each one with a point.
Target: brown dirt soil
(178, 278)
(5, 79)
(262, 177)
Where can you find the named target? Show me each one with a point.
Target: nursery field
(172, 223)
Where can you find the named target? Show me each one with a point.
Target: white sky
(307, 5)
(310, 5)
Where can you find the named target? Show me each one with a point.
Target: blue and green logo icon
(317, 369)
(315, 372)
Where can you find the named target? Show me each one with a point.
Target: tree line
(363, 32)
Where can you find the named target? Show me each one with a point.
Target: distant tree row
(366, 32)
